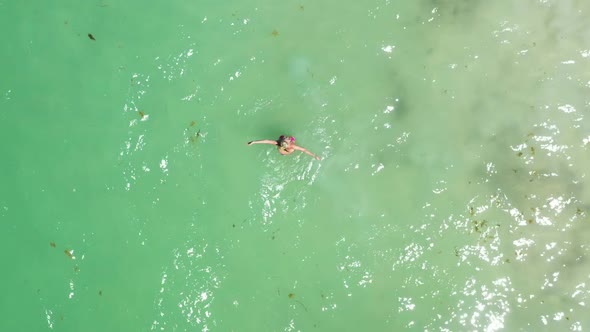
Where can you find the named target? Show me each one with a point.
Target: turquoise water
(450, 196)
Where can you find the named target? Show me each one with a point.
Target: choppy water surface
(451, 194)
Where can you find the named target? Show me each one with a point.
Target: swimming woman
(286, 145)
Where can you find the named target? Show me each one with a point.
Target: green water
(451, 194)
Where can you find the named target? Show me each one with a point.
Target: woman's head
(285, 141)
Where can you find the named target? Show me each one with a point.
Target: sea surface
(452, 193)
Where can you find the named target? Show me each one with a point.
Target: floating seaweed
(52, 244)
(292, 296)
(478, 226)
(195, 137)
(274, 234)
(69, 253)
(275, 32)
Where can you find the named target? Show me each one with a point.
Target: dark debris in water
(69, 253)
(478, 226)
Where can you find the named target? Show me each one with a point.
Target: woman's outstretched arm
(263, 141)
(297, 147)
